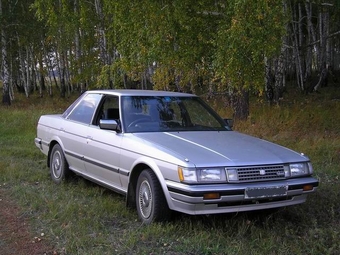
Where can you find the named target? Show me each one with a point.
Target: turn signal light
(307, 187)
(211, 196)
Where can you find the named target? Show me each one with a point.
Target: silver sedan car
(169, 151)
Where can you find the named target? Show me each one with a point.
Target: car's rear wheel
(58, 165)
(150, 201)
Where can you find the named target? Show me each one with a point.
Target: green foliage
(110, 73)
(190, 42)
(79, 217)
(71, 37)
(250, 31)
(175, 45)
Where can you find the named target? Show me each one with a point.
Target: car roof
(137, 92)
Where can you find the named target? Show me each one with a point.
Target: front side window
(108, 109)
(166, 114)
(84, 110)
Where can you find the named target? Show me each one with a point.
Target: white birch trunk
(102, 38)
(310, 38)
(324, 60)
(296, 50)
(78, 48)
(6, 98)
(27, 82)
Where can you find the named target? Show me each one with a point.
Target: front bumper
(235, 198)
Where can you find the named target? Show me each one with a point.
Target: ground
(15, 235)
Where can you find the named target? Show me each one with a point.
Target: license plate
(265, 192)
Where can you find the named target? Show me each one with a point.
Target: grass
(79, 217)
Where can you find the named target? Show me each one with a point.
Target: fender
(155, 167)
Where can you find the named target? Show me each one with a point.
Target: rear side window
(83, 112)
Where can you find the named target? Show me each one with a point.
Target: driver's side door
(102, 154)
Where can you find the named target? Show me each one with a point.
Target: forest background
(232, 49)
(52, 50)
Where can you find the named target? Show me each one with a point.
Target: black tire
(58, 165)
(150, 201)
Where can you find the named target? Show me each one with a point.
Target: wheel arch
(134, 174)
(51, 145)
(136, 171)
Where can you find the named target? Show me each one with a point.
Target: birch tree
(250, 32)
(6, 98)
(311, 38)
(221, 47)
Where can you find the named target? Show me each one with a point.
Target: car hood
(227, 148)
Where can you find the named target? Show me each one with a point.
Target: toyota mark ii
(169, 151)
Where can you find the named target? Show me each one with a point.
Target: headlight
(297, 169)
(211, 175)
(187, 174)
(201, 174)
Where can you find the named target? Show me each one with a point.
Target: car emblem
(262, 172)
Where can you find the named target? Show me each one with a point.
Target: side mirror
(229, 122)
(109, 125)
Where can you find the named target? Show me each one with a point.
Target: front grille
(260, 173)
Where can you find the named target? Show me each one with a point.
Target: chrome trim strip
(112, 169)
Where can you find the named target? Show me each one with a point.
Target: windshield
(167, 114)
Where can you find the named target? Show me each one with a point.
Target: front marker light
(287, 171)
(232, 175)
(310, 168)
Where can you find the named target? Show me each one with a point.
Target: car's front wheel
(150, 201)
(58, 164)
